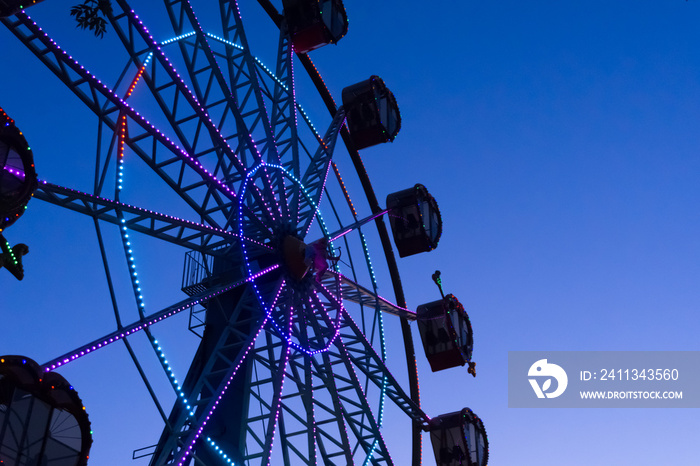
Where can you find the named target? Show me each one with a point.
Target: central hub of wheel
(294, 254)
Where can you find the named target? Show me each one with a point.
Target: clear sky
(560, 140)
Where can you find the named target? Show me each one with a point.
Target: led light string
(274, 77)
(282, 368)
(378, 313)
(122, 134)
(133, 274)
(9, 250)
(136, 116)
(287, 337)
(162, 359)
(344, 188)
(221, 453)
(186, 452)
(382, 344)
(15, 171)
(141, 324)
(152, 214)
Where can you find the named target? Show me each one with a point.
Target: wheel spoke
(284, 116)
(171, 229)
(359, 294)
(177, 103)
(366, 359)
(314, 180)
(147, 321)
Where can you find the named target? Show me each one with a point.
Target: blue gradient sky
(560, 140)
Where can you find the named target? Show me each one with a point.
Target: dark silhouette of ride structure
(42, 418)
(18, 181)
(258, 274)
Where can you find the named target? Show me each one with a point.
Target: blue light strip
(221, 453)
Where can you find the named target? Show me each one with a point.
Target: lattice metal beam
(314, 179)
(184, 233)
(184, 174)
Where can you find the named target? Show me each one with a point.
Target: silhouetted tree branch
(90, 15)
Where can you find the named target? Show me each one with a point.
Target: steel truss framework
(279, 359)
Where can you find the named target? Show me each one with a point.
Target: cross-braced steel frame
(290, 370)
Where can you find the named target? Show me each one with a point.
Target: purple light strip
(235, 370)
(144, 323)
(157, 215)
(278, 397)
(186, 452)
(310, 386)
(15, 171)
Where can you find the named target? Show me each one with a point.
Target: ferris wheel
(279, 281)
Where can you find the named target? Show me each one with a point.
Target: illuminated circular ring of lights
(269, 307)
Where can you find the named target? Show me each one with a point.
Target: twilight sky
(560, 140)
